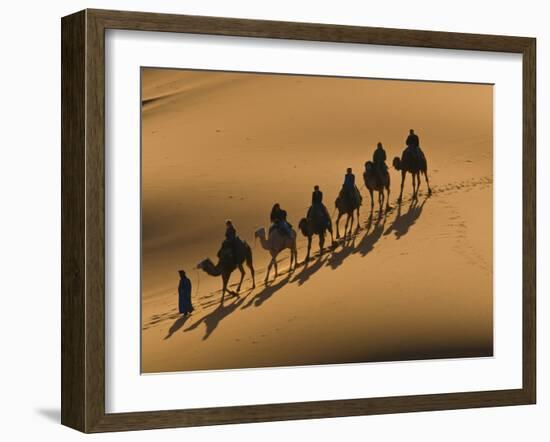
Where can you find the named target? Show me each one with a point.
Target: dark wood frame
(83, 217)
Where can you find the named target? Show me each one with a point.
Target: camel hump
(234, 251)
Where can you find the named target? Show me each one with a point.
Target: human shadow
(213, 319)
(178, 323)
(267, 292)
(403, 222)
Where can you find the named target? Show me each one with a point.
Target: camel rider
(230, 238)
(349, 189)
(413, 142)
(317, 204)
(316, 196)
(279, 221)
(379, 160)
(349, 180)
(230, 231)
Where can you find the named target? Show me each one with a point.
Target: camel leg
(308, 247)
(251, 267)
(427, 182)
(338, 225)
(321, 242)
(276, 267)
(403, 175)
(225, 280)
(415, 187)
(346, 226)
(388, 199)
(329, 228)
(268, 270)
(371, 200)
(241, 269)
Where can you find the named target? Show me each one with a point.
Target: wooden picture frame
(83, 220)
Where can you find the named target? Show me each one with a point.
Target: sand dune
(415, 283)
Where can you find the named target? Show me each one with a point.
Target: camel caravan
(235, 252)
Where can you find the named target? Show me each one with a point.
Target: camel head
(397, 163)
(260, 233)
(202, 264)
(303, 225)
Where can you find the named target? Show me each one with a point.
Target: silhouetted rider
(278, 218)
(379, 160)
(317, 204)
(231, 241)
(349, 189)
(349, 180)
(412, 140)
(316, 196)
(230, 231)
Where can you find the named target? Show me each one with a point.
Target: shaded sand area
(414, 283)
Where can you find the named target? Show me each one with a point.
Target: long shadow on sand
(404, 221)
(267, 292)
(270, 289)
(213, 319)
(371, 237)
(373, 230)
(309, 269)
(178, 323)
(343, 251)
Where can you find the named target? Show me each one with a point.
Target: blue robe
(184, 291)
(349, 181)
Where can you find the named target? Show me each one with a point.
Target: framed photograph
(269, 220)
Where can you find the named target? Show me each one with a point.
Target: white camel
(275, 244)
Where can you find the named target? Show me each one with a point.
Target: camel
(374, 184)
(315, 224)
(228, 261)
(344, 208)
(275, 243)
(410, 163)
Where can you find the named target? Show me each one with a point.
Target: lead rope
(198, 282)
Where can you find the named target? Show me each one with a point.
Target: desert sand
(414, 283)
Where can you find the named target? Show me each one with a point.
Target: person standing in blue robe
(184, 292)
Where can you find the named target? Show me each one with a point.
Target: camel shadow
(337, 258)
(309, 270)
(369, 239)
(178, 323)
(267, 292)
(213, 319)
(403, 222)
(365, 245)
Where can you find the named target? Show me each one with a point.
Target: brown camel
(230, 258)
(375, 183)
(347, 207)
(415, 165)
(275, 243)
(316, 223)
